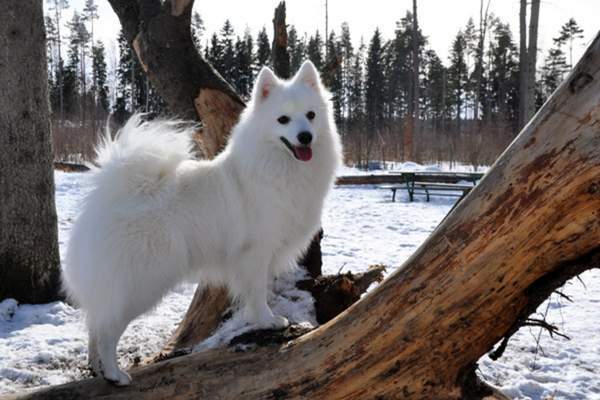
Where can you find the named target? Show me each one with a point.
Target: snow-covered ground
(47, 344)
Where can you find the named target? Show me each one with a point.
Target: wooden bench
(429, 188)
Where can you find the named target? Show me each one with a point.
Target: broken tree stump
(334, 293)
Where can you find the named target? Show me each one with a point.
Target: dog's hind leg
(108, 337)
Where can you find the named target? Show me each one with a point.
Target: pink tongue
(303, 153)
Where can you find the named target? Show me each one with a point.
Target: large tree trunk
(530, 224)
(29, 260)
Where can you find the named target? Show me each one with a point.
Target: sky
(439, 20)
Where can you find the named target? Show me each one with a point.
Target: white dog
(156, 216)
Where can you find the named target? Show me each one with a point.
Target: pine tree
(297, 50)
(123, 103)
(56, 8)
(356, 103)
(332, 76)
(457, 77)
(346, 59)
(553, 71)
(70, 85)
(394, 93)
(198, 29)
(374, 81)
(227, 66)
(314, 50)
(53, 60)
(263, 52)
(471, 42)
(100, 87)
(51, 48)
(244, 60)
(399, 66)
(214, 53)
(569, 33)
(434, 84)
(355, 85)
(477, 78)
(90, 13)
(79, 38)
(504, 75)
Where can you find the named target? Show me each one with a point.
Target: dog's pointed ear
(308, 74)
(265, 83)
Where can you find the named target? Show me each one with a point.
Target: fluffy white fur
(156, 216)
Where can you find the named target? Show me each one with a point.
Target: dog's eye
(310, 115)
(284, 119)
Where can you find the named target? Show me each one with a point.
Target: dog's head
(293, 114)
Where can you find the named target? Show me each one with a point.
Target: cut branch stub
(420, 332)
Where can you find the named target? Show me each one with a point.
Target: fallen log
(418, 335)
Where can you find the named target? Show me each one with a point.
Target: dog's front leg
(252, 291)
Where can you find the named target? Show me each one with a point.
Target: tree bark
(532, 222)
(29, 259)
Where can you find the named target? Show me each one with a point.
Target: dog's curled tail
(142, 157)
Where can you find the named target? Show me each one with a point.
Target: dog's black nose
(305, 138)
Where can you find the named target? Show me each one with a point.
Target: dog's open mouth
(302, 153)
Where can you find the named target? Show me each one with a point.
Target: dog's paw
(119, 378)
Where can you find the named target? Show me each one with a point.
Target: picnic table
(429, 189)
(419, 183)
